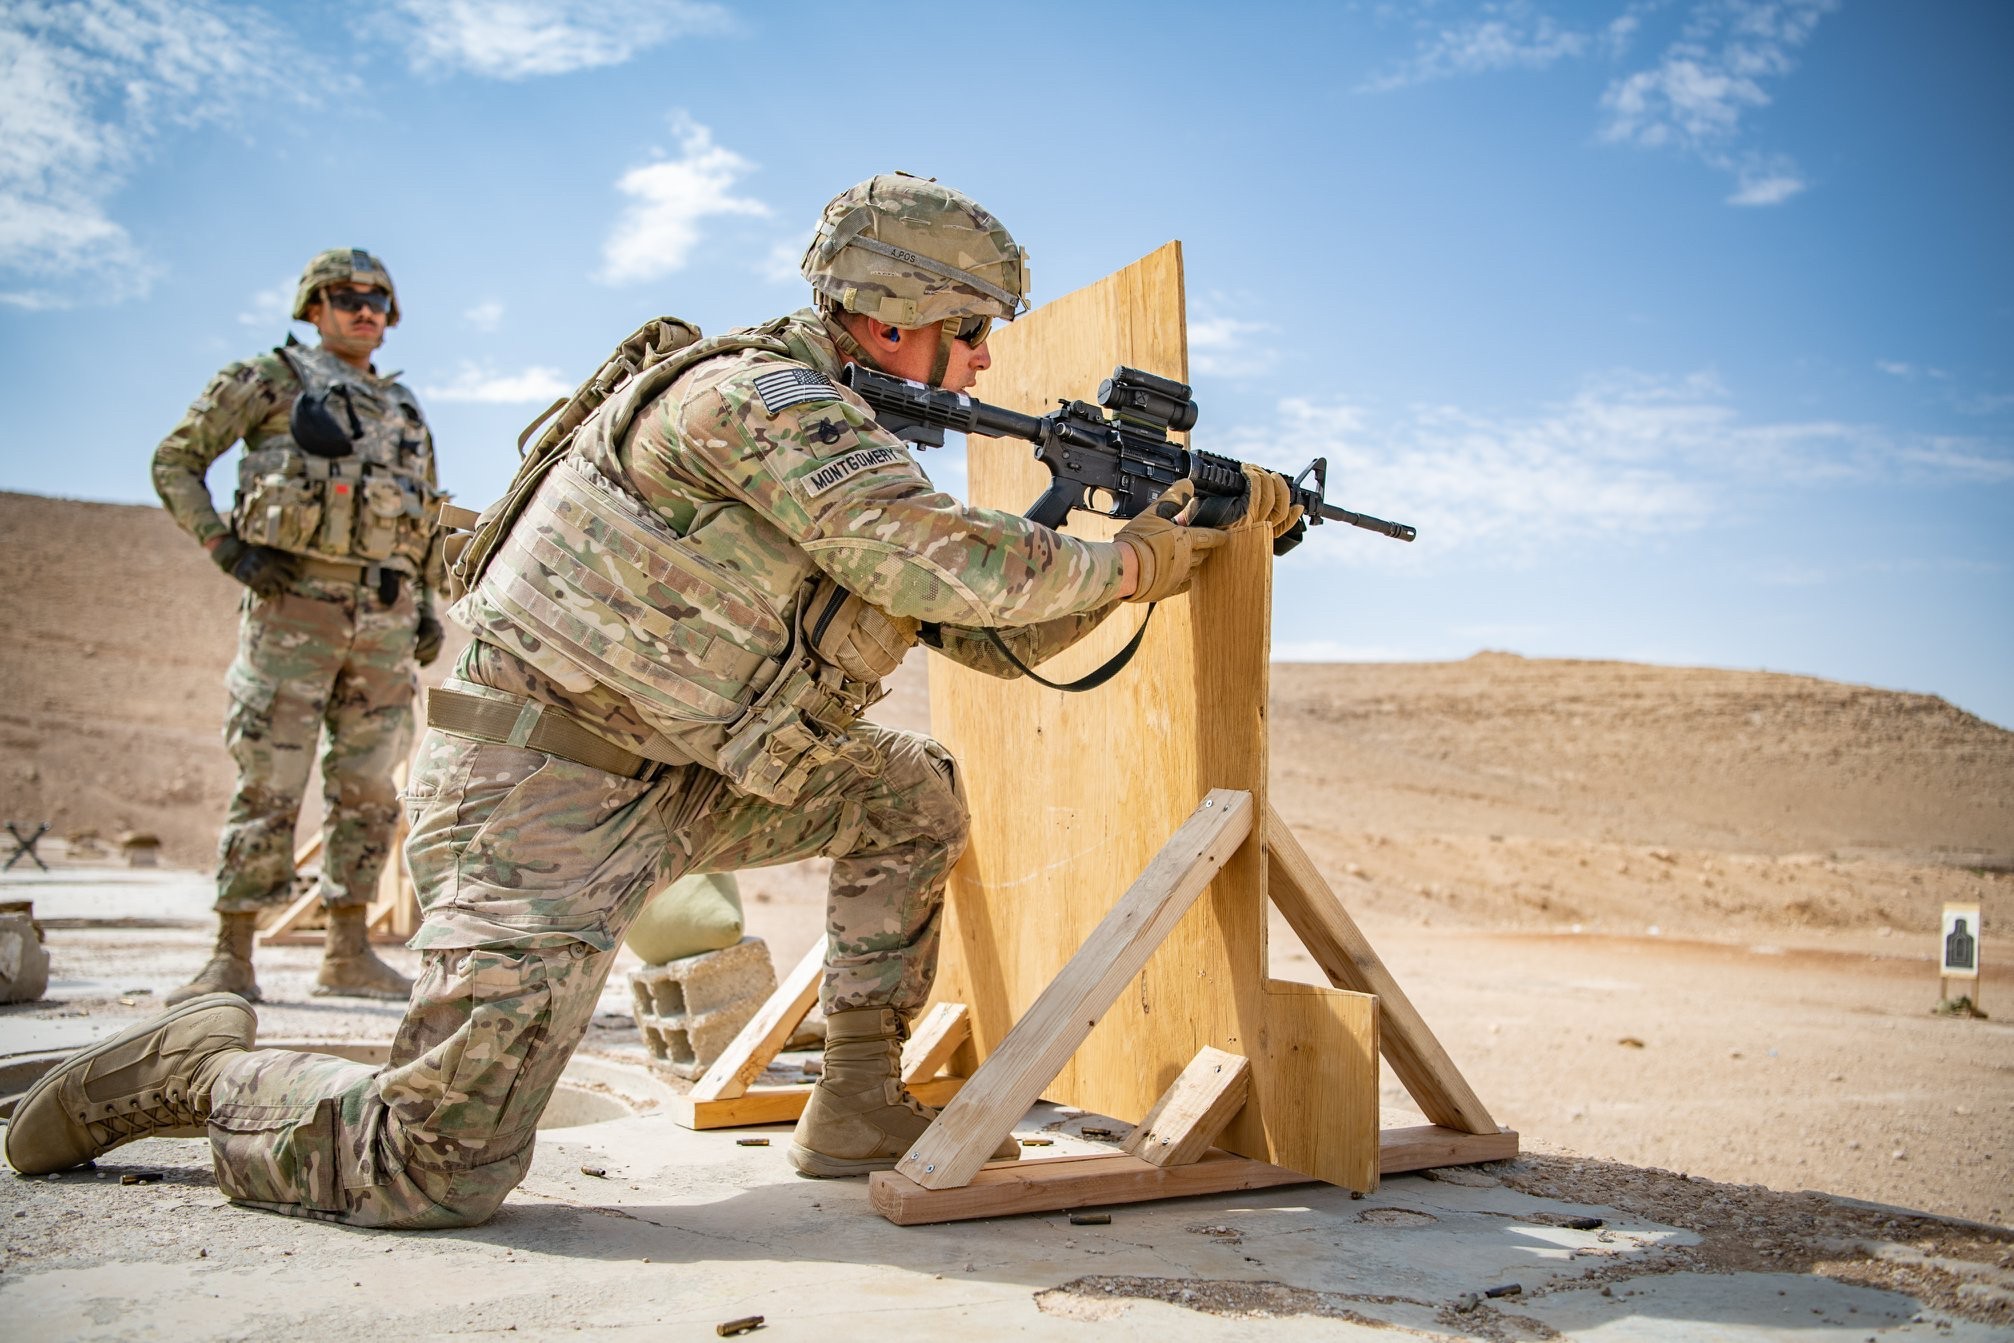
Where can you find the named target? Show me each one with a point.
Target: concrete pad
(1747, 1305)
(687, 1229)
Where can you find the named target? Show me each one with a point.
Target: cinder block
(690, 1009)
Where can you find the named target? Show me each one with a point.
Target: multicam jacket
(727, 576)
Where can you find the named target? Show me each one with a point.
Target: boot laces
(171, 1107)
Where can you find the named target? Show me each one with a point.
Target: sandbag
(693, 914)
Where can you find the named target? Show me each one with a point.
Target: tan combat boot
(350, 969)
(152, 1080)
(859, 1118)
(230, 966)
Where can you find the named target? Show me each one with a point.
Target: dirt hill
(1494, 791)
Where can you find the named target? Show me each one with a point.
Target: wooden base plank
(780, 1105)
(1426, 1146)
(1008, 1187)
(1005, 1188)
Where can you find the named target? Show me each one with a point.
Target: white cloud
(1228, 347)
(1629, 457)
(1695, 98)
(657, 233)
(271, 307)
(85, 89)
(485, 316)
(779, 265)
(538, 385)
(1505, 36)
(522, 39)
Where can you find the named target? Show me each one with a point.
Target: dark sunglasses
(356, 300)
(973, 330)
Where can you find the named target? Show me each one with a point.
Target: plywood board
(1071, 795)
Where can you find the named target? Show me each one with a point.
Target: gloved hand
(1269, 502)
(1168, 552)
(261, 568)
(427, 641)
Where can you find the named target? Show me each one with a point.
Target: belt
(342, 571)
(533, 726)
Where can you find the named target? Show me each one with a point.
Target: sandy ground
(1670, 918)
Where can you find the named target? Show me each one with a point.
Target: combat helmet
(337, 265)
(913, 253)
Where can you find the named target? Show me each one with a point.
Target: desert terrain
(1666, 918)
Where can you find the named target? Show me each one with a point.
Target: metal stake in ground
(24, 846)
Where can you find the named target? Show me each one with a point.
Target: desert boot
(150, 1080)
(350, 969)
(230, 966)
(860, 1118)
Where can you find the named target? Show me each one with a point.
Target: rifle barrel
(1400, 531)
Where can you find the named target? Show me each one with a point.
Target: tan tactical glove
(1269, 501)
(1168, 552)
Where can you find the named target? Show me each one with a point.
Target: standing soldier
(331, 536)
(680, 614)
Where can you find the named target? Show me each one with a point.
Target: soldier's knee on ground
(461, 1081)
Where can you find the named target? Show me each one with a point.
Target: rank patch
(841, 469)
(787, 387)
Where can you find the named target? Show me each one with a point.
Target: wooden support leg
(1193, 1111)
(761, 1040)
(1347, 957)
(964, 1136)
(934, 1040)
(285, 927)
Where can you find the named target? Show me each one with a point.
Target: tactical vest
(669, 619)
(359, 492)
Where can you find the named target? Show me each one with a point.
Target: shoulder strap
(655, 354)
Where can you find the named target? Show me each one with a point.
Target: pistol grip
(1056, 502)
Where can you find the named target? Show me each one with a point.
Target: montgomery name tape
(852, 464)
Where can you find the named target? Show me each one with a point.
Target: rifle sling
(1090, 681)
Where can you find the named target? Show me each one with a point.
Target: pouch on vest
(853, 635)
(280, 510)
(380, 515)
(800, 725)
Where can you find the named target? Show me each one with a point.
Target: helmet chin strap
(946, 333)
(843, 338)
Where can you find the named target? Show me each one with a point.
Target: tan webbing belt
(335, 571)
(534, 726)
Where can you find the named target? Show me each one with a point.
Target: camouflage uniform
(531, 866)
(328, 652)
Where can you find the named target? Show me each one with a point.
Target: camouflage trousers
(529, 869)
(322, 655)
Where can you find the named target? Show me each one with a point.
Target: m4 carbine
(1125, 459)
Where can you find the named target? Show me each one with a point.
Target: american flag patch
(788, 387)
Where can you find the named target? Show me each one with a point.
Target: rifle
(1126, 458)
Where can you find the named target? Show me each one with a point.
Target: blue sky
(1681, 330)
